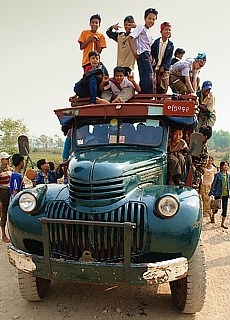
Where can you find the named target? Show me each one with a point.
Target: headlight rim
(35, 198)
(158, 202)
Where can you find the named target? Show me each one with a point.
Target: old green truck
(116, 222)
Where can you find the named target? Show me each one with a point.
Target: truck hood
(102, 163)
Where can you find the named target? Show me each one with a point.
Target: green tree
(10, 130)
(221, 140)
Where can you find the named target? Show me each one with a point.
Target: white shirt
(162, 48)
(143, 39)
(124, 84)
(183, 68)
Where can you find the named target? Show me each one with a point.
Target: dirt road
(84, 302)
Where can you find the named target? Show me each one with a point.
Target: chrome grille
(104, 243)
(106, 191)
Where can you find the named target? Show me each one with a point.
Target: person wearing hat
(184, 74)
(162, 51)
(5, 174)
(207, 112)
(178, 55)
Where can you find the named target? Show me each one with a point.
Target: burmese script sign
(178, 108)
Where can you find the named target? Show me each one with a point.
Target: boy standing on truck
(91, 40)
(141, 49)
(125, 57)
(162, 51)
(119, 88)
(88, 86)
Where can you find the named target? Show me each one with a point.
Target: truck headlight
(167, 206)
(27, 202)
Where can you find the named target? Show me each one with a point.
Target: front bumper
(88, 271)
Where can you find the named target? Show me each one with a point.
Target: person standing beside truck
(16, 179)
(141, 49)
(5, 173)
(220, 190)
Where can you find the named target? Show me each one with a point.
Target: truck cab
(117, 221)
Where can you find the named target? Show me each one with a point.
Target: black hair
(17, 159)
(118, 69)
(222, 164)
(129, 19)
(40, 163)
(93, 53)
(179, 51)
(206, 131)
(51, 165)
(95, 16)
(150, 10)
(65, 128)
(177, 127)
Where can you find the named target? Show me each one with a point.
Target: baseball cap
(4, 155)
(165, 24)
(207, 85)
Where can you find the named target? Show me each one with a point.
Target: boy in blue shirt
(162, 51)
(141, 49)
(16, 179)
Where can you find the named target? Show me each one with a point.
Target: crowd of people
(158, 71)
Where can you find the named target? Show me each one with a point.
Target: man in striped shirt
(5, 173)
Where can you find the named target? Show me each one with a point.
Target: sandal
(223, 226)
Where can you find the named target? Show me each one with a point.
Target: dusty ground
(95, 302)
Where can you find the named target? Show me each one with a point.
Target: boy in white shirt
(141, 49)
(119, 88)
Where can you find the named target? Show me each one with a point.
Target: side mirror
(23, 145)
(195, 145)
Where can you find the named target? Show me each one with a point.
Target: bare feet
(100, 100)
(117, 100)
(171, 183)
(5, 239)
(223, 226)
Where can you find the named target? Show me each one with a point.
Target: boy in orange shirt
(91, 40)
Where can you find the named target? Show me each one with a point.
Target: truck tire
(32, 288)
(188, 294)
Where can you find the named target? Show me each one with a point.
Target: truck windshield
(119, 131)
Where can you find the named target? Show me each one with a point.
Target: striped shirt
(5, 177)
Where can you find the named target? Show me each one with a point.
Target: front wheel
(188, 294)
(32, 288)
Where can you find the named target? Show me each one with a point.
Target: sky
(41, 59)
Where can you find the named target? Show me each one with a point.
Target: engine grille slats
(104, 243)
(94, 190)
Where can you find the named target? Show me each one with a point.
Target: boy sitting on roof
(119, 88)
(89, 84)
